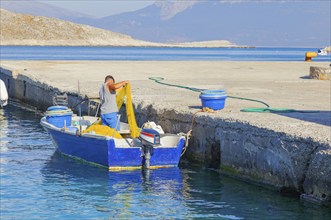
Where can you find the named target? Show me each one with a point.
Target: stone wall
(265, 157)
(39, 95)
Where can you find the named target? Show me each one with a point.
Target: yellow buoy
(310, 55)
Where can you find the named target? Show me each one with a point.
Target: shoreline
(284, 151)
(162, 46)
(121, 46)
(170, 46)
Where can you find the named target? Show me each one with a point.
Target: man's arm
(115, 86)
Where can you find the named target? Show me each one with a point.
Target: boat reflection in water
(123, 194)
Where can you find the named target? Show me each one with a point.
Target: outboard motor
(149, 138)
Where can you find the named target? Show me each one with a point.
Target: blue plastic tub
(58, 115)
(214, 99)
(57, 107)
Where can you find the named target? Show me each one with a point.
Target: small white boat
(322, 52)
(3, 94)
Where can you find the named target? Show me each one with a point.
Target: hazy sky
(100, 8)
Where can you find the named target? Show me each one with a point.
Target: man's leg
(110, 120)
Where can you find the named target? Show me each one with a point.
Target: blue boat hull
(102, 151)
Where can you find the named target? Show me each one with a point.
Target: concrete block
(320, 73)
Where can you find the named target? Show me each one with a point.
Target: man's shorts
(110, 120)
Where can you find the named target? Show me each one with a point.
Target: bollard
(310, 55)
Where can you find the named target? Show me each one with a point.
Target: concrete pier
(285, 151)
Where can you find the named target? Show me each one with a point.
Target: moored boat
(86, 139)
(322, 52)
(3, 94)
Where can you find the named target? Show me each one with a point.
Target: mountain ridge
(22, 29)
(260, 23)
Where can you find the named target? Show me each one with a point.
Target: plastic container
(214, 99)
(72, 129)
(57, 107)
(58, 116)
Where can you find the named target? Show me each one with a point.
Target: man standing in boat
(107, 94)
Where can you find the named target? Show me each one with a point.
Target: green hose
(159, 79)
(260, 110)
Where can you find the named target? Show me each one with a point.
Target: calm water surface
(37, 183)
(150, 53)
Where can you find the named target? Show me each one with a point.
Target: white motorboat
(3, 94)
(322, 52)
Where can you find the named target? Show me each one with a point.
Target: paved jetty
(289, 151)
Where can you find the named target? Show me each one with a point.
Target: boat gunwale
(44, 123)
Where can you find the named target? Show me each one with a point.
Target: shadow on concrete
(318, 117)
(305, 77)
(314, 116)
(196, 107)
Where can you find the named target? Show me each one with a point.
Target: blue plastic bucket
(59, 116)
(214, 99)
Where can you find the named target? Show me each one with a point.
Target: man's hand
(116, 86)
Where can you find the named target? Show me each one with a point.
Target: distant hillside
(21, 29)
(260, 23)
(34, 7)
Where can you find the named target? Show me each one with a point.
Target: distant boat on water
(3, 94)
(322, 52)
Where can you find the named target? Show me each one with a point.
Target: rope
(58, 112)
(259, 110)
(189, 133)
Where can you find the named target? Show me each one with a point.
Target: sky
(100, 8)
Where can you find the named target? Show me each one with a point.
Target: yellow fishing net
(126, 92)
(103, 130)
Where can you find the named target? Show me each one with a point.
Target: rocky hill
(20, 29)
(284, 23)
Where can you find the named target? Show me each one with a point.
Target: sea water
(154, 53)
(39, 183)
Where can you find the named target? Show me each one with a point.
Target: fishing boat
(3, 94)
(130, 147)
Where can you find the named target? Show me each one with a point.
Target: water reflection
(3, 131)
(174, 193)
(124, 194)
